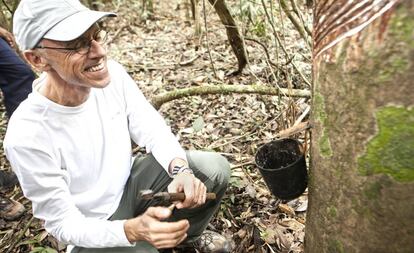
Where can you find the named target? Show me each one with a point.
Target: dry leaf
(269, 235)
(302, 207)
(250, 190)
(292, 224)
(287, 209)
(241, 233)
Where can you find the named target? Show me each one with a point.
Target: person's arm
(146, 126)
(45, 184)
(148, 129)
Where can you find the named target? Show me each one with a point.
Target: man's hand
(150, 227)
(195, 191)
(7, 36)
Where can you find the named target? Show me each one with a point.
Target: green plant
(250, 13)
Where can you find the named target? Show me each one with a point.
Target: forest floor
(162, 53)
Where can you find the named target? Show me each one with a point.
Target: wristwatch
(180, 169)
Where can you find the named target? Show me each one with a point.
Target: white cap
(61, 20)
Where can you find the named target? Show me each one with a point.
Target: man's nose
(96, 50)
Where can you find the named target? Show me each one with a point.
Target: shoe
(10, 209)
(7, 179)
(209, 242)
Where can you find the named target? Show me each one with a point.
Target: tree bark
(233, 33)
(362, 157)
(158, 100)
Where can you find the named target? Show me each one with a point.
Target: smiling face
(84, 70)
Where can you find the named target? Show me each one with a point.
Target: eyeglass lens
(83, 45)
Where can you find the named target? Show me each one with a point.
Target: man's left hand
(195, 190)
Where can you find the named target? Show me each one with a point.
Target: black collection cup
(283, 167)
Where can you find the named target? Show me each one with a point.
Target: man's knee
(213, 165)
(223, 166)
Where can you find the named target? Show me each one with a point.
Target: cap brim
(75, 25)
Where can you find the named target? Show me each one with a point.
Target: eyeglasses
(82, 45)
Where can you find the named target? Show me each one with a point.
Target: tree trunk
(233, 33)
(361, 189)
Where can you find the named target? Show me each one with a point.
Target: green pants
(146, 173)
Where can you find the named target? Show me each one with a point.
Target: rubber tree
(361, 189)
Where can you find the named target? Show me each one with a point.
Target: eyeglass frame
(88, 46)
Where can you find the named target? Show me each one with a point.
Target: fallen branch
(160, 99)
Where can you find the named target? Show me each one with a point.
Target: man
(70, 145)
(16, 80)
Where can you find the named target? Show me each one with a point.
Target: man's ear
(36, 59)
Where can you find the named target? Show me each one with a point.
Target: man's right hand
(150, 227)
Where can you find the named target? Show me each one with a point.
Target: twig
(232, 140)
(19, 236)
(281, 45)
(270, 248)
(117, 34)
(302, 116)
(160, 67)
(295, 22)
(188, 62)
(265, 49)
(207, 39)
(7, 7)
(300, 15)
(229, 213)
(293, 130)
(242, 165)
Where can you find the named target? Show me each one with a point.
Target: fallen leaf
(292, 224)
(198, 124)
(250, 190)
(286, 209)
(303, 206)
(269, 235)
(241, 233)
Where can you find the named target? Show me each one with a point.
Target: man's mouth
(95, 68)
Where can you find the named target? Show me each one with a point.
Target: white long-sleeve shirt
(73, 162)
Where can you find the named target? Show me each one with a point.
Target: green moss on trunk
(320, 114)
(391, 151)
